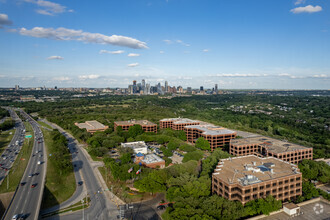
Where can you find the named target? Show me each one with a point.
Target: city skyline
(235, 44)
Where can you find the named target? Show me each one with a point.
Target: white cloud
(206, 50)
(48, 7)
(4, 20)
(298, 2)
(79, 35)
(133, 64)
(133, 55)
(306, 9)
(84, 77)
(320, 76)
(168, 41)
(112, 52)
(183, 43)
(55, 58)
(61, 78)
(240, 75)
(161, 52)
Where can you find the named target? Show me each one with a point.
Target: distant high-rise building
(201, 88)
(143, 85)
(180, 89)
(134, 86)
(166, 86)
(55, 87)
(216, 88)
(147, 89)
(130, 89)
(189, 90)
(159, 89)
(16, 87)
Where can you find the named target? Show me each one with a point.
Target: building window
(291, 180)
(247, 198)
(261, 187)
(267, 186)
(255, 196)
(291, 186)
(215, 180)
(274, 184)
(298, 184)
(298, 178)
(286, 181)
(274, 191)
(267, 193)
(255, 189)
(247, 191)
(298, 190)
(261, 194)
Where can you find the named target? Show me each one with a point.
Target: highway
(27, 199)
(100, 207)
(9, 155)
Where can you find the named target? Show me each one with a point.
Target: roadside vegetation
(7, 124)
(60, 181)
(5, 138)
(19, 166)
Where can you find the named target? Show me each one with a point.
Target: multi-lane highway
(9, 155)
(27, 199)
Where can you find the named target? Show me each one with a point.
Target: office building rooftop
(248, 170)
(209, 129)
(272, 145)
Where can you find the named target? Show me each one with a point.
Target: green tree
(202, 144)
(195, 155)
(135, 130)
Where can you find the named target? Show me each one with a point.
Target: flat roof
(134, 145)
(91, 125)
(139, 122)
(209, 129)
(248, 170)
(272, 145)
(151, 158)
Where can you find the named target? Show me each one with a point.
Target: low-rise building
(217, 136)
(146, 125)
(177, 123)
(250, 177)
(150, 160)
(265, 146)
(92, 126)
(137, 146)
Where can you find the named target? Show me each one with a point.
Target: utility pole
(8, 180)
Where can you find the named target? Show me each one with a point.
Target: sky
(237, 44)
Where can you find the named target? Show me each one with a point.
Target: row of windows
(260, 195)
(263, 186)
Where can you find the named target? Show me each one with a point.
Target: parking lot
(318, 210)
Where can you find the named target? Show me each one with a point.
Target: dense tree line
(7, 124)
(4, 113)
(60, 156)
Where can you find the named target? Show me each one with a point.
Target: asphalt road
(100, 208)
(27, 200)
(10, 153)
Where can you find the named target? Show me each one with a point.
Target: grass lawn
(17, 171)
(5, 138)
(58, 188)
(44, 125)
(120, 190)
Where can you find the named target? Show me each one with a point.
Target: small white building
(291, 209)
(137, 146)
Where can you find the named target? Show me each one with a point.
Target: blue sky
(238, 44)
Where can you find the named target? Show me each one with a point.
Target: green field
(44, 124)
(58, 188)
(17, 171)
(5, 138)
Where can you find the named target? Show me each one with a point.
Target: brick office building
(177, 123)
(92, 126)
(250, 177)
(265, 146)
(217, 136)
(146, 125)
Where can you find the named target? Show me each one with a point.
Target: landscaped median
(5, 138)
(60, 180)
(18, 168)
(75, 207)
